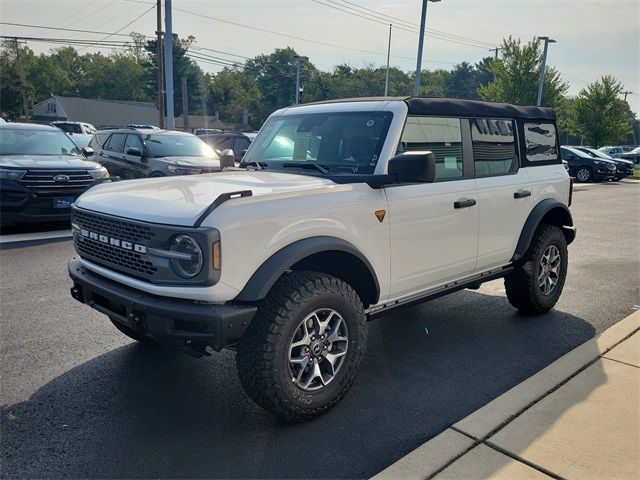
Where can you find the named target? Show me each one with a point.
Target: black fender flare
(561, 218)
(275, 266)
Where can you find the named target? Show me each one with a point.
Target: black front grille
(44, 179)
(111, 256)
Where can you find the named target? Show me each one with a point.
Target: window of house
(540, 139)
(440, 135)
(494, 147)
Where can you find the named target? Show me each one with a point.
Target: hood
(50, 162)
(181, 200)
(622, 161)
(191, 161)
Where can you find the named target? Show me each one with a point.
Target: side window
(442, 136)
(540, 139)
(133, 141)
(494, 147)
(241, 145)
(115, 143)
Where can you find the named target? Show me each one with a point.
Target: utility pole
(386, 80)
(298, 81)
(159, 57)
(543, 67)
(168, 62)
(185, 105)
(625, 95)
(423, 19)
(23, 82)
(495, 50)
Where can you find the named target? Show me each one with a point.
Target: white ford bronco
(345, 211)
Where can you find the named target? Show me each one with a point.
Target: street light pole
(168, 63)
(423, 20)
(297, 82)
(386, 80)
(543, 67)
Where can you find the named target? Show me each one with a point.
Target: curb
(441, 451)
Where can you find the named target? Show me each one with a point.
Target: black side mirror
(242, 153)
(413, 167)
(227, 159)
(136, 152)
(87, 151)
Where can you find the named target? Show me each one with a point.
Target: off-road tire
(263, 353)
(131, 333)
(523, 290)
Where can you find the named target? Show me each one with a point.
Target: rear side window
(541, 143)
(442, 136)
(494, 147)
(115, 143)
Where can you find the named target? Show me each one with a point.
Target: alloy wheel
(549, 269)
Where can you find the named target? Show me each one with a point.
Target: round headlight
(189, 263)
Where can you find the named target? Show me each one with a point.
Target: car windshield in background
(163, 145)
(36, 142)
(68, 127)
(341, 142)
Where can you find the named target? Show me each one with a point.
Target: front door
(434, 226)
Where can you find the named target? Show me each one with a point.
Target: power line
(63, 29)
(119, 30)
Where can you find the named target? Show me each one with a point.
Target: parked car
(75, 127)
(42, 172)
(137, 153)
(238, 142)
(380, 205)
(613, 151)
(624, 168)
(585, 168)
(633, 155)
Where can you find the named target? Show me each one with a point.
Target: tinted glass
(133, 141)
(494, 147)
(97, 141)
(540, 139)
(167, 145)
(349, 141)
(36, 142)
(241, 145)
(442, 136)
(116, 142)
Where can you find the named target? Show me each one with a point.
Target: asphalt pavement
(80, 400)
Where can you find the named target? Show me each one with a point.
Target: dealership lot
(80, 400)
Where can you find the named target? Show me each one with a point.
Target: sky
(594, 37)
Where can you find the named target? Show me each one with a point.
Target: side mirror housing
(227, 159)
(87, 151)
(413, 167)
(136, 152)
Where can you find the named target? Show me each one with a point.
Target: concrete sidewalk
(579, 418)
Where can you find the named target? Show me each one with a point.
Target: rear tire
(537, 281)
(301, 352)
(131, 333)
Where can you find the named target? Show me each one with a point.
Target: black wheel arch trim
(275, 266)
(535, 218)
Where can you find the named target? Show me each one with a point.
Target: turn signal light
(215, 255)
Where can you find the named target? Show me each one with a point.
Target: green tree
(599, 114)
(516, 76)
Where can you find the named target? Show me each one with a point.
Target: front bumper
(185, 323)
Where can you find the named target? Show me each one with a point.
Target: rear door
(112, 155)
(504, 190)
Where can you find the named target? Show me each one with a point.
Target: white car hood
(181, 200)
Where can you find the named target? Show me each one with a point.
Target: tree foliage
(599, 114)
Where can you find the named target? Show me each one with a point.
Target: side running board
(219, 201)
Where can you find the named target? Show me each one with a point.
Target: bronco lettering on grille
(115, 242)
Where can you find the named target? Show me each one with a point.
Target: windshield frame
(335, 167)
(75, 151)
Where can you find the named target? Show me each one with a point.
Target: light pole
(386, 80)
(423, 20)
(547, 41)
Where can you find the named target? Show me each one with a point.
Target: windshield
(68, 127)
(596, 153)
(163, 145)
(36, 142)
(341, 141)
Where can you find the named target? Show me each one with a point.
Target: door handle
(521, 194)
(464, 203)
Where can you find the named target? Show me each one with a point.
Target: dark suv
(138, 153)
(585, 168)
(42, 172)
(238, 142)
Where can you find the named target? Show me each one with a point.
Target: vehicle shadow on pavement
(141, 412)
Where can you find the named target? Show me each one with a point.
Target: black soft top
(461, 108)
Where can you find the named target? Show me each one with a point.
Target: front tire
(301, 352)
(584, 175)
(537, 281)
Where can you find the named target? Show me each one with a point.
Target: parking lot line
(30, 237)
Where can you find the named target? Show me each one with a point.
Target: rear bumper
(175, 321)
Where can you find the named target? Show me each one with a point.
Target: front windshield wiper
(322, 169)
(259, 165)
